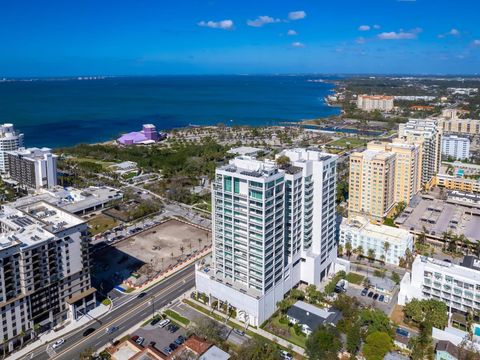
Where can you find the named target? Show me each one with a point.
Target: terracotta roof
(197, 345)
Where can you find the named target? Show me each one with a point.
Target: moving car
(112, 329)
(88, 331)
(58, 343)
(239, 332)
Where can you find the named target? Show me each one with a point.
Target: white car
(285, 355)
(58, 343)
(164, 323)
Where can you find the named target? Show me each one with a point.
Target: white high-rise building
(273, 226)
(9, 140)
(456, 147)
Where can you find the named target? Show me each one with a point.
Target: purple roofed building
(148, 135)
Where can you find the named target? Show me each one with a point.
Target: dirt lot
(148, 252)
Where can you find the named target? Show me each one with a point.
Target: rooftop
(393, 234)
(249, 166)
(244, 150)
(454, 269)
(215, 353)
(311, 315)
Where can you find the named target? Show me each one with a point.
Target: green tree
(377, 345)
(283, 160)
(283, 306)
(360, 251)
(324, 343)
(395, 277)
(429, 312)
(422, 346)
(354, 338)
(256, 349)
(371, 254)
(376, 320)
(86, 354)
(348, 249)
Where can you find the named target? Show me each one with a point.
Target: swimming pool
(476, 331)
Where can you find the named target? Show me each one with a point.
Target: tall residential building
(389, 244)
(273, 226)
(371, 184)
(34, 168)
(9, 140)
(407, 167)
(456, 285)
(44, 269)
(375, 102)
(456, 147)
(427, 134)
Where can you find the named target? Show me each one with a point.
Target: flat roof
(393, 234)
(244, 150)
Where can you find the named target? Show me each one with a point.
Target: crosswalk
(51, 352)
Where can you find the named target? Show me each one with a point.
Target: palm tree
(360, 251)
(445, 238)
(452, 245)
(182, 249)
(348, 248)
(200, 242)
(371, 254)
(386, 247)
(382, 258)
(422, 236)
(340, 250)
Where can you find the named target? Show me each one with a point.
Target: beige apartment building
(408, 158)
(372, 174)
(375, 102)
(460, 126)
(428, 135)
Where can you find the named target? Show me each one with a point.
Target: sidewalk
(52, 335)
(259, 331)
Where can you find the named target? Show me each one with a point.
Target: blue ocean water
(66, 112)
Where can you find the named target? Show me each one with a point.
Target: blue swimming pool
(477, 330)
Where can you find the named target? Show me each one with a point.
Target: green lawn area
(101, 223)
(355, 278)
(293, 338)
(348, 142)
(177, 317)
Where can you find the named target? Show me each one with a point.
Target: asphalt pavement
(124, 317)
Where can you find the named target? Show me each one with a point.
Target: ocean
(65, 112)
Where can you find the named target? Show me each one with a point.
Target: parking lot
(387, 308)
(162, 337)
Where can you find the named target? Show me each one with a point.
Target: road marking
(121, 317)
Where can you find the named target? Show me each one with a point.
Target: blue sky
(123, 37)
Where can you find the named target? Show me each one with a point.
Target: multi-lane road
(124, 317)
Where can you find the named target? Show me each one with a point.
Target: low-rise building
(124, 167)
(456, 147)
(148, 135)
(375, 102)
(456, 285)
(456, 182)
(388, 243)
(33, 168)
(310, 317)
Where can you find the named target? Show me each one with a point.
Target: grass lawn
(355, 278)
(293, 338)
(177, 317)
(348, 142)
(101, 223)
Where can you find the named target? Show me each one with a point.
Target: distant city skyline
(214, 37)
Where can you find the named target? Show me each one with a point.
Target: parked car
(152, 343)
(370, 294)
(58, 343)
(140, 340)
(88, 331)
(173, 346)
(381, 298)
(364, 292)
(167, 350)
(375, 297)
(135, 337)
(239, 332)
(180, 340)
(387, 299)
(164, 323)
(173, 328)
(286, 355)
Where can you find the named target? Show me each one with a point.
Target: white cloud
(376, 27)
(454, 32)
(360, 40)
(400, 35)
(364, 27)
(298, 44)
(223, 24)
(262, 20)
(476, 42)
(297, 15)
(292, 32)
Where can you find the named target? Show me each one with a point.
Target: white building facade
(9, 140)
(33, 167)
(388, 243)
(272, 228)
(456, 285)
(456, 147)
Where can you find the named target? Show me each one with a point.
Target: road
(124, 317)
